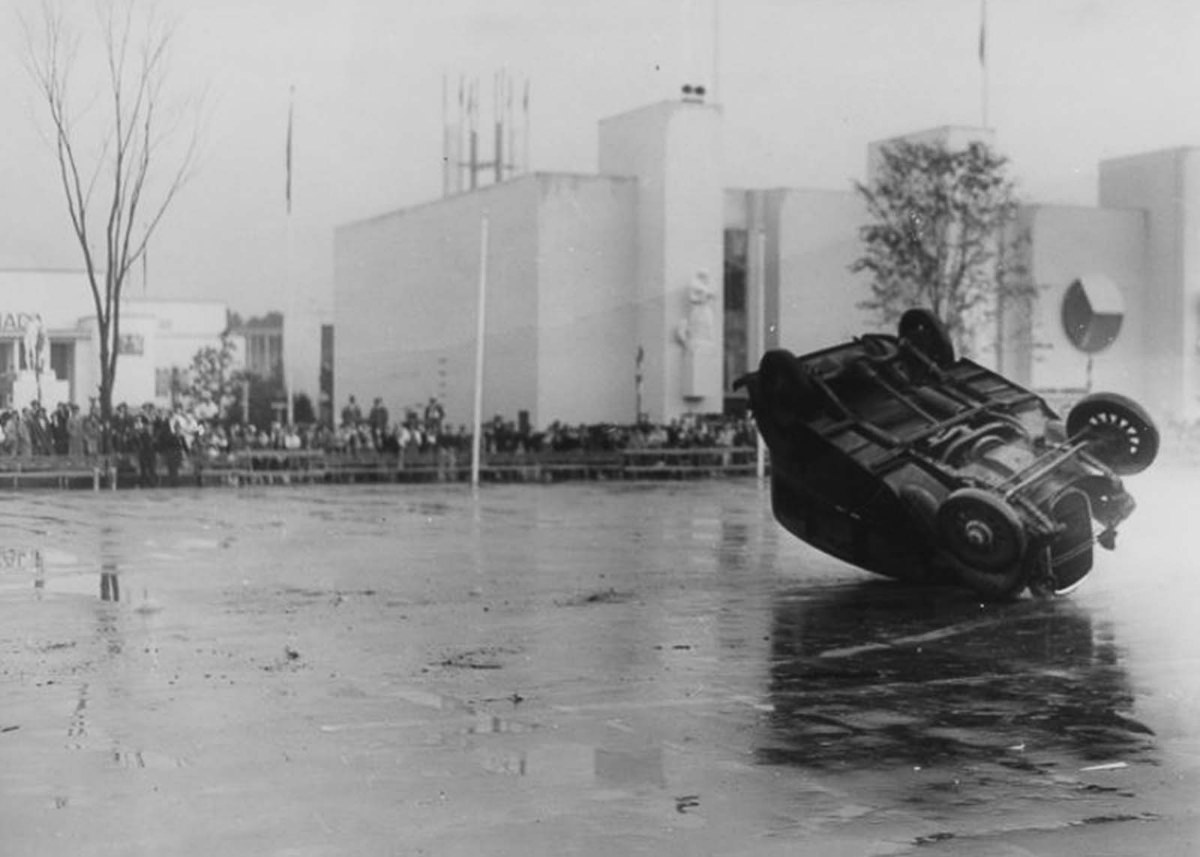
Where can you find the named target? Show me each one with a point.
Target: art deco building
(650, 287)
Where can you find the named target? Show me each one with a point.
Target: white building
(591, 282)
(158, 340)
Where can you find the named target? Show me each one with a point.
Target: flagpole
(287, 317)
(983, 60)
(287, 275)
(480, 331)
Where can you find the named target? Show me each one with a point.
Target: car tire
(788, 393)
(924, 331)
(982, 532)
(1122, 433)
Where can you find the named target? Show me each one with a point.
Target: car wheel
(788, 393)
(983, 533)
(925, 332)
(1122, 434)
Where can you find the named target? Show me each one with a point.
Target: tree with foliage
(122, 150)
(215, 388)
(213, 382)
(941, 235)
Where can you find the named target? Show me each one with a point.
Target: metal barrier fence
(267, 467)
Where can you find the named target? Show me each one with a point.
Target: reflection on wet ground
(876, 674)
(570, 669)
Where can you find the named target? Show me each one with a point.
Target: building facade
(648, 288)
(157, 343)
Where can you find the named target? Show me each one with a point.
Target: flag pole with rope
(983, 59)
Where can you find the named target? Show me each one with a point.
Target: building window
(62, 359)
(131, 343)
(325, 398)
(736, 317)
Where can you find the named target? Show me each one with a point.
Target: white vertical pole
(447, 168)
(480, 330)
(288, 308)
(760, 332)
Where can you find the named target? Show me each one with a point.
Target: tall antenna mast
(473, 121)
(498, 125)
(506, 160)
(525, 109)
(510, 151)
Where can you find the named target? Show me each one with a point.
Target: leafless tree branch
(134, 174)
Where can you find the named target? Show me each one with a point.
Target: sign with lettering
(16, 322)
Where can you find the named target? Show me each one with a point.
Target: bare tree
(123, 151)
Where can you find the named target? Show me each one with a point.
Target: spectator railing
(270, 466)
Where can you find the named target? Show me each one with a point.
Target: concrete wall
(634, 145)
(135, 381)
(818, 296)
(406, 299)
(181, 328)
(1158, 183)
(302, 348)
(1068, 243)
(587, 313)
(673, 149)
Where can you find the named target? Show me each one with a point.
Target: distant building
(263, 350)
(158, 340)
(651, 287)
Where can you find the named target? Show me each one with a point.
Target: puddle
(642, 766)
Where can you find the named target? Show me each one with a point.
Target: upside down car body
(892, 454)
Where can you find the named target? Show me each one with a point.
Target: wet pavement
(573, 669)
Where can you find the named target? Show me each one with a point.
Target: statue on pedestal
(35, 345)
(700, 367)
(696, 328)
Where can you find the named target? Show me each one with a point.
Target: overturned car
(892, 454)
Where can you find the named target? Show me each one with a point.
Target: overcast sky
(805, 86)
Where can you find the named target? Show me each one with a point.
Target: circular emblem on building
(1092, 311)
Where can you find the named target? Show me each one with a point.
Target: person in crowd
(39, 430)
(7, 440)
(378, 422)
(434, 415)
(57, 429)
(143, 439)
(351, 414)
(92, 429)
(74, 431)
(169, 444)
(24, 418)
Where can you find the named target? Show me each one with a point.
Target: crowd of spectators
(426, 429)
(153, 435)
(35, 431)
